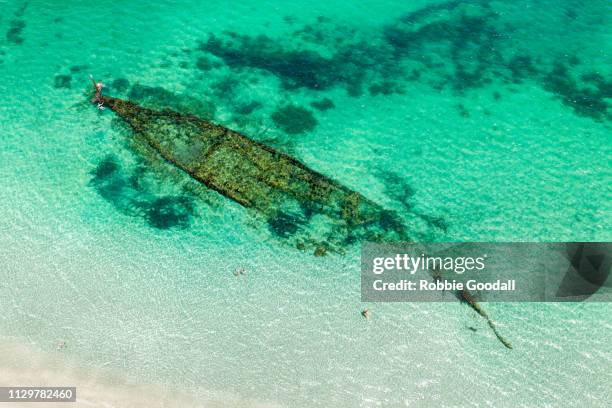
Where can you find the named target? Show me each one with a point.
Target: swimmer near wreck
(300, 205)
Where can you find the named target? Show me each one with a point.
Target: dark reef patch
(463, 111)
(169, 212)
(78, 68)
(110, 183)
(285, 225)
(346, 65)
(399, 190)
(293, 119)
(120, 85)
(205, 64)
(459, 49)
(434, 221)
(390, 221)
(289, 19)
(160, 98)
(128, 192)
(62, 81)
(586, 95)
(429, 10)
(106, 168)
(225, 89)
(456, 49)
(22, 9)
(13, 35)
(458, 45)
(295, 68)
(521, 67)
(248, 108)
(385, 88)
(323, 104)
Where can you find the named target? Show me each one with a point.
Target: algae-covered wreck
(300, 203)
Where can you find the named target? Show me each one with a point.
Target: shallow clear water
(481, 121)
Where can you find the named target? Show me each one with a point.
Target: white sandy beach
(24, 366)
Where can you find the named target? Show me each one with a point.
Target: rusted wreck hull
(297, 201)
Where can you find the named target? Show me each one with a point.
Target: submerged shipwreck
(299, 204)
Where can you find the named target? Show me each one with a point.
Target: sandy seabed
(23, 366)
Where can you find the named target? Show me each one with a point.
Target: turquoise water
(476, 121)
